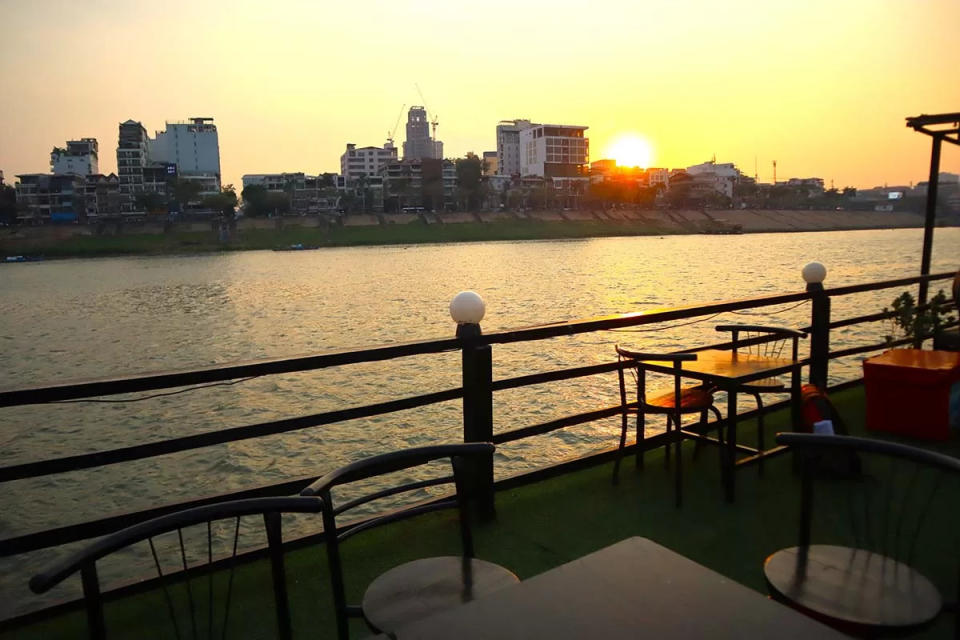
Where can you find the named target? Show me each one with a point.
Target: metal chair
(211, 624)
(764, 342)
(885, 511)
(673, 404)
(415, 589)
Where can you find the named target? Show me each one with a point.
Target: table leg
(731, 443)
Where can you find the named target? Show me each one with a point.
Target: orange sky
(820, 86)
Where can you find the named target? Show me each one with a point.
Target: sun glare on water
(631, 150)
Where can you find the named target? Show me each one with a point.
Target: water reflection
(68, 320)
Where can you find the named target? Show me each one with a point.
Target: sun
(631, 150)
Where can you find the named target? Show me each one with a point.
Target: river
(67, 320)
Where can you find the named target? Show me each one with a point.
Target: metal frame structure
(940, 127)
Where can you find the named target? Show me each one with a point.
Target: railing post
(814, 274)
(468, 309)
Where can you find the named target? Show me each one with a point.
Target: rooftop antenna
(434, 122)
(774, 173)
(395, 125)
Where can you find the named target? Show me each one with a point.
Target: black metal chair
(883, 513)
(673, 404)
(196, 623)
(764, 342)
(415, 589)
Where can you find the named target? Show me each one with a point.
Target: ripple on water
(87, 319)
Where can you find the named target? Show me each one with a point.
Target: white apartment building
(720, 177)
(657, 176)
(79, 157)
(554, 151)
(508, 146)
(364, 162)
(194, 147)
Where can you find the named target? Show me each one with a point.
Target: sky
(822, 87)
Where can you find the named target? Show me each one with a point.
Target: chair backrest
(636, 357)
(464, 459)
(902, 504)
(769, 342)
(198, 623)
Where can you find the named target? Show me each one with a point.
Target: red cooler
(913, 392)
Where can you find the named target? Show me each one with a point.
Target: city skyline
(822, 91)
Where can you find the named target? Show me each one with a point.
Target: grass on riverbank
(248, 239)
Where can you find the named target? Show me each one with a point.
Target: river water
(77, 319)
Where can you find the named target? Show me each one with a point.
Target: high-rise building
(419, 144)
(508, 146)
(132, 156)
(365, 162)
(194, 147)
(184, 150)
(554, 151)
(79, 158)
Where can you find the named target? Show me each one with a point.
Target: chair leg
(721, 449)
(623, 443)
(719, 416)
(703, 431)
(624, 419)
(641, 435)
(760, 437)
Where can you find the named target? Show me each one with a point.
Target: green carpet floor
(539, 526)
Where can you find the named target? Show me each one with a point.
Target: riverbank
(152, 238)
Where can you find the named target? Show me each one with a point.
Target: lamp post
(813, 274)
(467, 310)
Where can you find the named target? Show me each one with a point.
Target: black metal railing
(476, 392)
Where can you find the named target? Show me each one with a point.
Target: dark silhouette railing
(477, 394)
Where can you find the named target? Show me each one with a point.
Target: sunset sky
(822, 87)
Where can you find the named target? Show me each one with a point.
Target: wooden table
(632, 589)
(730, 371)
(860, 591)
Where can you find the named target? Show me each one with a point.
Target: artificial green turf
(542, 525)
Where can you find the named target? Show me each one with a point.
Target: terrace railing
(476, 393)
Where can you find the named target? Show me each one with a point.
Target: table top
(916, 359)
(422, 587)
(726, 364)
(634, 588)
(854, 586)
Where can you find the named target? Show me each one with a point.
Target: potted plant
(908, 321)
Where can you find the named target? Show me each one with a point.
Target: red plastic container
(909, 392)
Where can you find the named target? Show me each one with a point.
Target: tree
(224, 203)
(151, 202)
(277, 203)
(470, 180)
(186, 192)
(255, 200)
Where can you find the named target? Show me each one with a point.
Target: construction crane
(434, 122)
(392, 133)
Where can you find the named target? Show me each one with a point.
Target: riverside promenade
(156, 237)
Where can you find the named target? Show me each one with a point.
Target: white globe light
(814, 273)
(467, 307)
